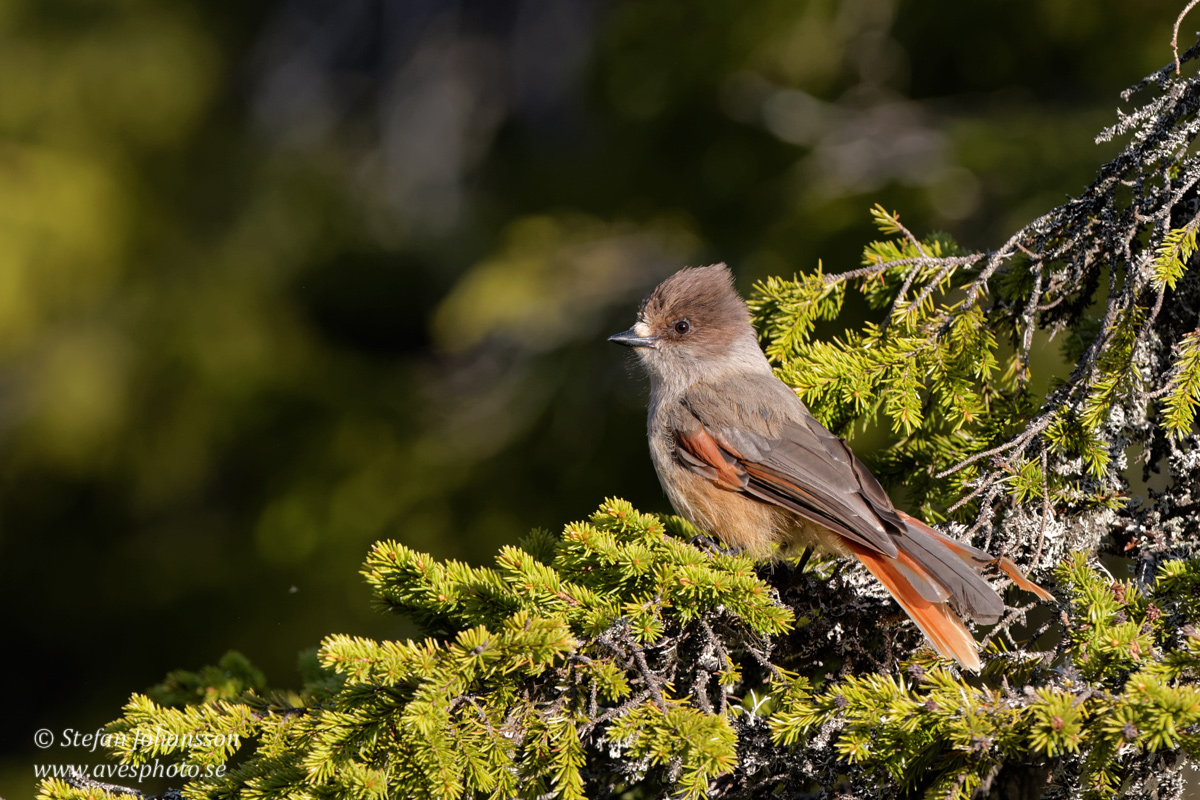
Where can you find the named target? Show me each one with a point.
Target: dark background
(279, 279)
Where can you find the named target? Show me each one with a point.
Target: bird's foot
(710, 545)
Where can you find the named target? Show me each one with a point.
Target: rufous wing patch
(701, 453)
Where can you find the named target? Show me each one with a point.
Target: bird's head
(693, 326)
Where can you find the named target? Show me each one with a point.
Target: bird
(740, 456)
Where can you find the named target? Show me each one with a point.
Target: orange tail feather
(941, 626)
(1018, 577)
(971, 555)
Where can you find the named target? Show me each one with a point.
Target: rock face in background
(282, 279)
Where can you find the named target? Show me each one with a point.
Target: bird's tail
(941, 626)
(931, 575)
(978, 558)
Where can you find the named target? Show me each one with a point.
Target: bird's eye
(682, 327)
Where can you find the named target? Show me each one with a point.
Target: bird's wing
(787, 459)
(698, 450)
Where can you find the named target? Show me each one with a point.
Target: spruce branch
(1130, 237)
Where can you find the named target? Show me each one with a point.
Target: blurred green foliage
(280, 279)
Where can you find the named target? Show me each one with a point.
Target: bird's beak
(632, 338)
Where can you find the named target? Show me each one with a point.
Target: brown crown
(702, 295)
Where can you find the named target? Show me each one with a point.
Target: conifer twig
(1175, 33)
(884, 266)
(81, 781)
(908, 279)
